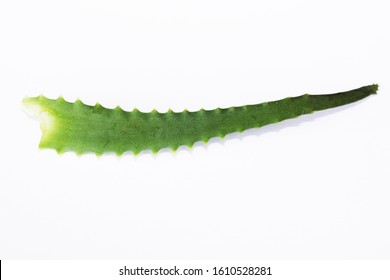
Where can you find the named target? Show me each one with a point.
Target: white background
(316, 187)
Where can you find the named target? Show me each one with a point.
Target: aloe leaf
(82, 128)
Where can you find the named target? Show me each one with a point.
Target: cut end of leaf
(36, 110)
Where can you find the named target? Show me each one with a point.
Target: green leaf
(82, 128)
